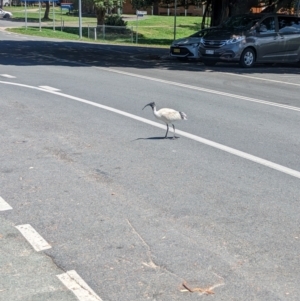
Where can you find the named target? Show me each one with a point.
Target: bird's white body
(168, 116)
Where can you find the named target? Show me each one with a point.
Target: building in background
(193, 10)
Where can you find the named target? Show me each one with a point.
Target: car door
(289, 30)
(269, 44)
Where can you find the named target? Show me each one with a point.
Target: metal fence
(160, 35)
(133, 34)
(111, 33)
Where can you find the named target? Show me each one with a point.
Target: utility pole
(175, 14)
(80, 19)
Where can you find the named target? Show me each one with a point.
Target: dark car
(251, 38)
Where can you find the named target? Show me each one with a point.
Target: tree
(47, 10)
(221, 9)
(102, 6)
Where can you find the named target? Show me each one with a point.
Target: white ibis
(168, 116)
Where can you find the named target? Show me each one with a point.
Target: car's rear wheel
(209, 62)
(247, 59)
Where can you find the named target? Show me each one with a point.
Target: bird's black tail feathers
(183, 116)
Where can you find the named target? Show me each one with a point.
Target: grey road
(127, 215)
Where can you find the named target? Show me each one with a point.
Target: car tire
(247, 59)
(7, 16)
(209, 63)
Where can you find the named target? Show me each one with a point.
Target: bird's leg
(174, 131)
(167, 131)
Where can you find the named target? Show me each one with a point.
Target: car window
(267, 26)
(288, 24)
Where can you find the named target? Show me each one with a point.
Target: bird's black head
(151, 104)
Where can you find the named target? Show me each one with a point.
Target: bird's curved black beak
(149, 104)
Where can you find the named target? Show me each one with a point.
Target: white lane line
(7, 76)
(264, 79)
(188, 86)
(35, 239)
(179, 85)
(3, 205)
(49, 88)
(264, 102)
(78, 286)
(207, 90)
(241, 154)
(222, 147)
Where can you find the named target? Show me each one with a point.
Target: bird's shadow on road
(156, 138)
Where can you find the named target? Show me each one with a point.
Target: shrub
(115, 20)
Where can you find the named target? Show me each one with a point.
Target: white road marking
(180, 85)
(203, 89)
(3, 205)
(7, 76)
(111, 70)
(49, 88)
(222, 147)
(132, 74)
(264, 79)
(35, 239)
(78, 286)
(241, 154)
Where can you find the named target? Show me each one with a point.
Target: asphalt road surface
(95, 205)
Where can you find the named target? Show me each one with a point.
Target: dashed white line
(78, 286)
(3, 205)
(35, 239)
(7, 76)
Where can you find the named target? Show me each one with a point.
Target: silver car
(187, 48)
(5, 14)
(249, 38)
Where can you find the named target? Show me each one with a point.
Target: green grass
(152, 30)
(159, 30)
(47, 32)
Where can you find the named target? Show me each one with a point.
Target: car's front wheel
(247, 59)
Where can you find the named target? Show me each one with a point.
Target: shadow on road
(66, 53)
